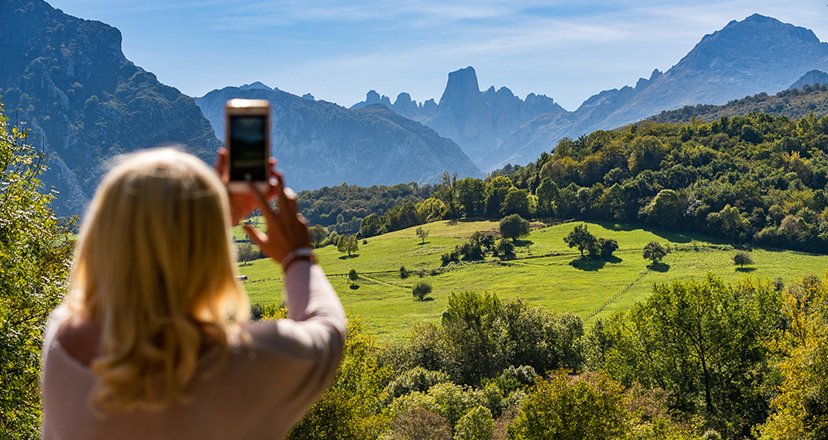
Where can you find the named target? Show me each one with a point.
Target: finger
(221, 161)
(292, 206)
(272, 181)
(263, 206)
(256, 236)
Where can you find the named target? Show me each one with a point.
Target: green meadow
(546, 272)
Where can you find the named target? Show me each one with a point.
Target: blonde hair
(155, 267)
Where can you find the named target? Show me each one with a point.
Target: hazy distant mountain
(812, 78)
(793, 103)
(758, 54)
(84, 102)
(478, 121)
(319, 143)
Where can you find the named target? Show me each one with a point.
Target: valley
(542, 273)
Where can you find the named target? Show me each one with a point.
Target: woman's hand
(287, 230)
(243, 203)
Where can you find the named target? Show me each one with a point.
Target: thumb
(256, 236)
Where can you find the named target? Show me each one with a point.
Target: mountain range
(319, 143)
(83, 101)
(757, 54)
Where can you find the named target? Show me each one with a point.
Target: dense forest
(747, 179)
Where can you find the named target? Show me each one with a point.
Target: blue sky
(338, 50)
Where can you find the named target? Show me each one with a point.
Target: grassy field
(546, 272)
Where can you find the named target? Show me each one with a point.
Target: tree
(476, 424)
(422, 233)
(547, 194)
(431, 209)
(35, 253)
(665, 209)
(800, 408)
(505, 249)
(590, 406)
(350, 408)
(318, 233)
(707, 343)
(655, 252)
(608, 247)
(470, 194)
(371, 225)
(581, 238)
(516, 202)
(353, 276)
(347, 244)
(495, 192)
(514, 226)
(741, 258)
(447, 192)
(421, 290)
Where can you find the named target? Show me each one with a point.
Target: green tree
(351, 407)
(318, 233)
(572, 408)
(516, 202)
(495, 192)
(471, 195)
(741, 258)
(655, 252)
(666, 209)
(505, 250)
(422, 233)
(476, 424)
(581, 238)
(705, 342)
(608, 247)
(801, 407)
(421, 290)
(372, 225)
(431, 209)
(347, 244)
(514, 226)
(35, 253)
(447, 192)
(353, 276)
(547, 194)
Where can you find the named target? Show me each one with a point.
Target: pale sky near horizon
(338, 50)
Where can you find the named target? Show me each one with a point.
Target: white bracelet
(302, 252)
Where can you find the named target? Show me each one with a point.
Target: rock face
(477, 121)
(812, 78)
(83, 101)
(318, 143)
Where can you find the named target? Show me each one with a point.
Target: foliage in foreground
(34, 256)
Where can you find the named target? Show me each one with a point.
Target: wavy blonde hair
(155, 268)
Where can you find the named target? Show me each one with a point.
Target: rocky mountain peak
(254, 86)
(814, 77)
(461, 87)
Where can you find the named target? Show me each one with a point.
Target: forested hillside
(758, 178)
(793, 103)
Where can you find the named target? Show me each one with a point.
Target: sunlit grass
(388, 309)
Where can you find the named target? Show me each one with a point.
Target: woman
(153, 339)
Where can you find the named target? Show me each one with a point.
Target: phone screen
(248, 149)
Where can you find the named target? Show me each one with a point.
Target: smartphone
(247, 128)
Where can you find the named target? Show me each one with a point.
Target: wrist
(298, 254)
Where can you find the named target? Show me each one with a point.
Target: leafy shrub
(476, 424)
(514, 226)
(421, 290)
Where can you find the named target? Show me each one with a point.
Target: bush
(451, 257)
(476, 424)
(589, 406)
(418, 423)
(248, 252)
(514, 226)
(404, 273)
(655, 252)
(505, 249)
(608, 247)
(742, 258)
(415, 379)
(421, 290)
